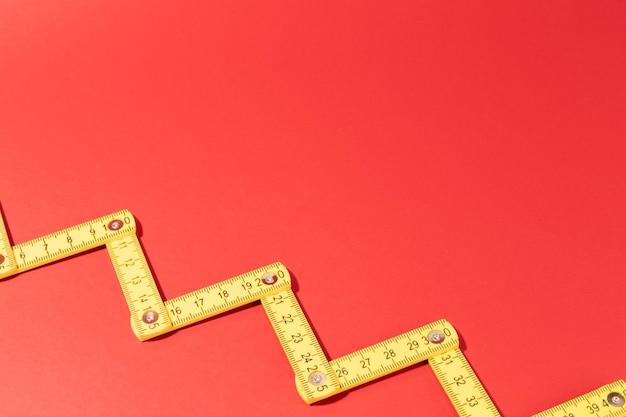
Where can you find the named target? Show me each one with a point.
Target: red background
(407, 161)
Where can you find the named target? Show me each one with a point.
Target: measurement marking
(316, 377)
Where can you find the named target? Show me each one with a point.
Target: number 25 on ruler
(316, 377)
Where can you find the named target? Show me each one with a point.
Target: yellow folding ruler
(316, 377)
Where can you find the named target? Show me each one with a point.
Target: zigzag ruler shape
(316, 377)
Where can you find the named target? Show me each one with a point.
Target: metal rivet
(150, 317)
(616, 399)
(115, 225)
(317, 378)
(436, 337)
(269, 279)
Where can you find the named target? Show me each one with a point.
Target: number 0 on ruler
(317, 378)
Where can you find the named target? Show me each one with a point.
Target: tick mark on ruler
(458, 378)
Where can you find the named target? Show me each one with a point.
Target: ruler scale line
(316, 377)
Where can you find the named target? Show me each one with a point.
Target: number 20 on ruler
(316, 377)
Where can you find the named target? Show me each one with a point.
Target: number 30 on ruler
(317, 378)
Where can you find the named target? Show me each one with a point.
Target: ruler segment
(606, 401)
(73, 240)
(227, 295)
(393, 354)
(8, 266)
(148, 316)
(462, 385)
(315, 379)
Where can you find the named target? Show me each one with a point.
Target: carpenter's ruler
(316, 377)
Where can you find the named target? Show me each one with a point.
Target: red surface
(407, 161)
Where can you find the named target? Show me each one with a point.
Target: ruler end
(6, 273)
(8, 266)
(157, 328)
(323, 389)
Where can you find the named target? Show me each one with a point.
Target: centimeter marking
(229, 294)
(7, 260)
(462, 385)
(316, 377)
(606, 401)
(68, 242)
(151, 317)
(393, 354)
(148, 316)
